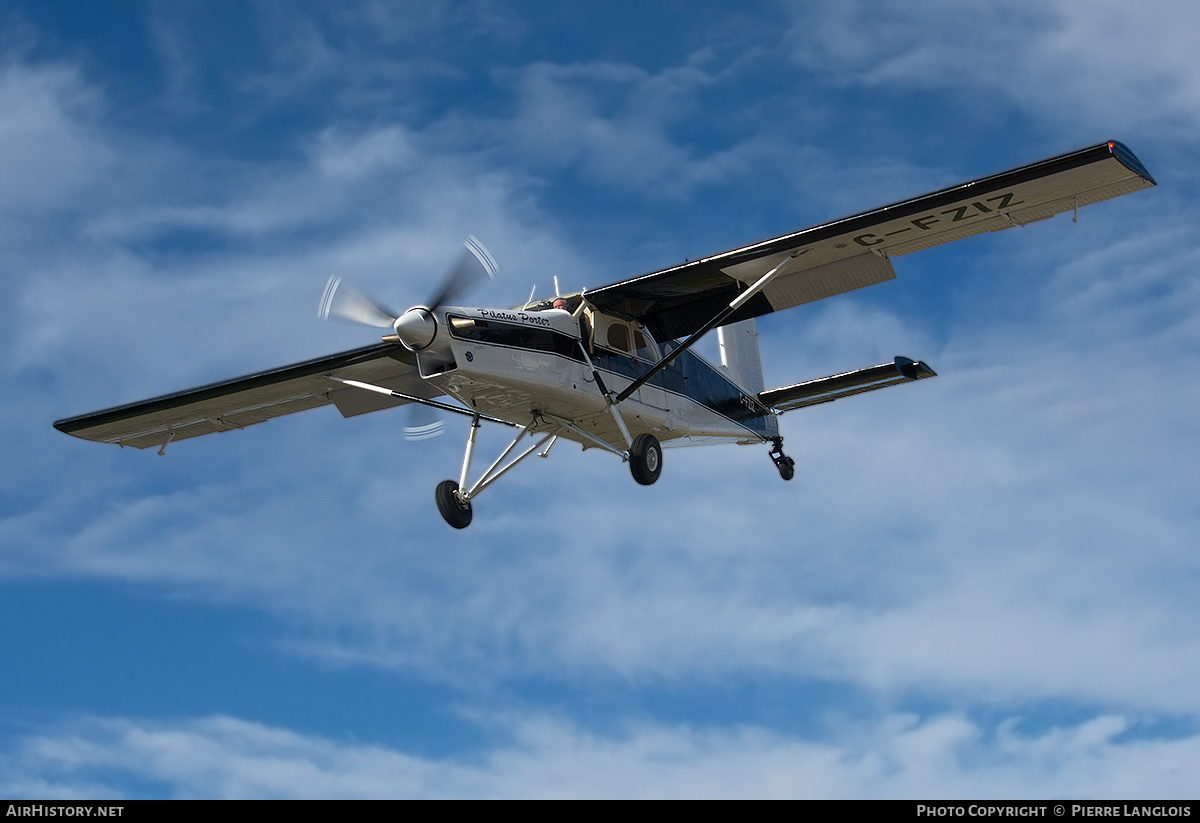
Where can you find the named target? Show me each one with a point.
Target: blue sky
(982, 585)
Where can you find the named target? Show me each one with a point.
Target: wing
(854, 252)
(244, 401)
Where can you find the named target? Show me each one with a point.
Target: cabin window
(622, 336)
(618, 336)
(516, 336)
(645, 346)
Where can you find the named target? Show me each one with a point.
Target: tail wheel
(645, 459)
(785, 464)
(787, 468)
(455, 510)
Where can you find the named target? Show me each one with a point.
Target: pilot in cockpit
(557, 304)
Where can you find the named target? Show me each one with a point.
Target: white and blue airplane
(613, 367)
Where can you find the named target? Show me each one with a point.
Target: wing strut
(422, 400)
(720, 317)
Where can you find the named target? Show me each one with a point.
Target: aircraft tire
(456, 512)
(645, 459)
(787, 468)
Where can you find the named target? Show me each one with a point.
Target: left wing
(244, 401)
(854, 252)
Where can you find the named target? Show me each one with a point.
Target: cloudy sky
(979, 586)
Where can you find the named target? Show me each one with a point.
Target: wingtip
(1128, 159)
(913, 369)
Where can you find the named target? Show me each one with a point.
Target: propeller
(348, 303)
(416, 328)
(473, 265)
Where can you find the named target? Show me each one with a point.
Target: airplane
(613, 368)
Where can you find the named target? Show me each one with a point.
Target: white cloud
(615, 125)
(344, 156)
(895, 756)
(50, 149)
(1100, 64)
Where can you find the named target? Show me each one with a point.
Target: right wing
(244, 401)
(856, 251)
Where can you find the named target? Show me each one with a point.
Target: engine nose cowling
(416, 328)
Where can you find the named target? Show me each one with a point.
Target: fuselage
(519, 365)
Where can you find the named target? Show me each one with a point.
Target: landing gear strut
(785, 464)
(454, 499)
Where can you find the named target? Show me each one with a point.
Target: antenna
(556, 294)
(530, 300)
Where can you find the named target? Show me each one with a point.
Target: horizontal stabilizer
(825, 389)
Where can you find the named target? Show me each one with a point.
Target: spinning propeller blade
(423, 422)
(473, 266)
(346, 302)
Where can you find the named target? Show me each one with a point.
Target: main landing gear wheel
(454, 509)
(645, 459)
(785, 464)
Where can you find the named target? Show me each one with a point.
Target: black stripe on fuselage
(530, 338)
(692, 377)
(688, 375)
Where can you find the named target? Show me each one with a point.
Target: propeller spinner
(416, 328)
